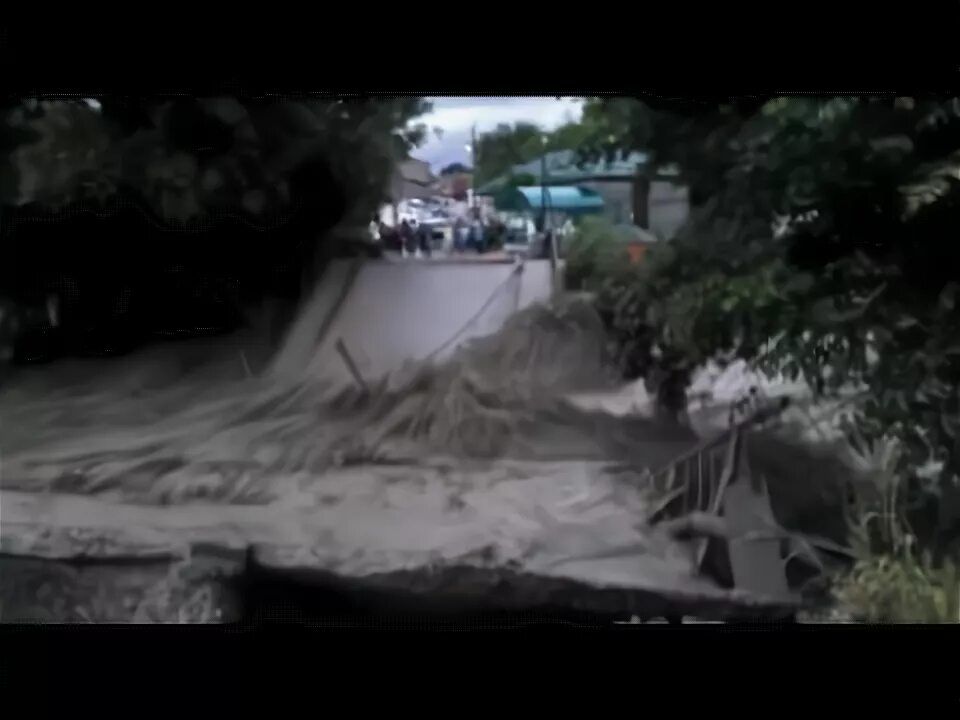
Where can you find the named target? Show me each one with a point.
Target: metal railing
(696, 482)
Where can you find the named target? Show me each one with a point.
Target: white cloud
(456, 116)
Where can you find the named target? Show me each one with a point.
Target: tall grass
(892, 580)
(596, 251)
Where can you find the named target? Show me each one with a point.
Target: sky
(456, 115)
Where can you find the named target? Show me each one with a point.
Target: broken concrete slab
(501, 535)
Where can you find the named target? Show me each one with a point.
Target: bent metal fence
(696, 484)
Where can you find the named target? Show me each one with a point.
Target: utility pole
(473, 165)
(641, 197)
(543, 191)
(544, 216)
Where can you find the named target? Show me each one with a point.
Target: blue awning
(572, 199)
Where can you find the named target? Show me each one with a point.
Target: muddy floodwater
(114, 484)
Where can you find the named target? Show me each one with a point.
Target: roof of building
(564, 167)
(412, 178)
(417, 171)
(570, 199)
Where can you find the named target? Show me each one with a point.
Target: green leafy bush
(901, 588)
(821, 245)
(892, 579)
(595, 253)
(191, 158)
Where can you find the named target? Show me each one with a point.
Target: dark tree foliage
(822, 243)
(145, 215)
(504, 147)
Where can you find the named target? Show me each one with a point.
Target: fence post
(756, 561)
(341, 348)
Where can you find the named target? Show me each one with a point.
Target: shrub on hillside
(595, 253)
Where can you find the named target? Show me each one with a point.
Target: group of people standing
(413, 238)
(470, 236)
(408, 239)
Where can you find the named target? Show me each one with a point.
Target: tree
(504, 147)
(821, 245)
(190, 205)
(454, 169)
(190, 158)
(516, 180)
(507, 146)
(569, 136)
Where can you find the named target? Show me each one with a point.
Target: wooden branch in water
(730, 469)
(697, 525)
(341, 348)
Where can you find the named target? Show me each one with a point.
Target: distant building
(456, 184)
(630, 194)
(412, 179)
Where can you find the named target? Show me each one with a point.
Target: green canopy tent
(573, 200)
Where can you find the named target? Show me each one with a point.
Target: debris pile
(228, 448)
